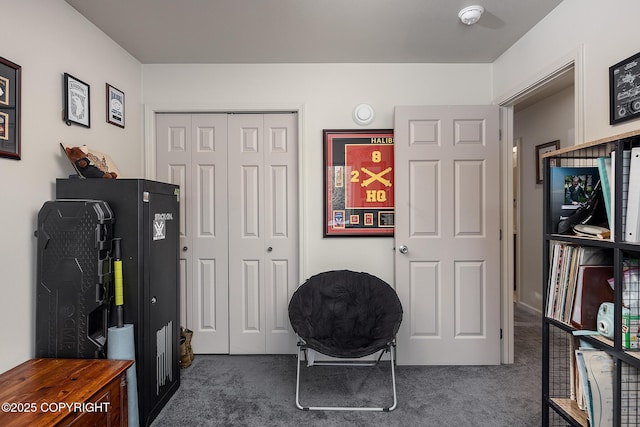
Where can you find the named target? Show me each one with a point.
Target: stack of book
(578, 284)
(594, 385)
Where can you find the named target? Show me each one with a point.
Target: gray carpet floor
(222, 390)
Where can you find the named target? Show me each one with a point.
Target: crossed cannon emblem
(376, 177)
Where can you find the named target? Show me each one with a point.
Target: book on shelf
(592, 289)
(632, 226)
(583, 385)
(570, 187)
(595, 372)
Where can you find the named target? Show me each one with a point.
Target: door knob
(269, 249)
(185, 249)
(403, 249)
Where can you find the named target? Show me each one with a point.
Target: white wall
(548, 120)
(48, 38)
(606, 30)
(328, 93)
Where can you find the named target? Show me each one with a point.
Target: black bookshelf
(559, 405)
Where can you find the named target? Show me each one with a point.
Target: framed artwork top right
(624, 90)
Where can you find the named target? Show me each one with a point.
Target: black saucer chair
(346, 315)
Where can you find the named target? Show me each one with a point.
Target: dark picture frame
(77, 101)
(10, 109)
(540, 150)
(624, 90)
(358, 182)
(115, 106)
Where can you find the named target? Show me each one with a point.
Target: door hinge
(499, 134)
(501, 234)
(500, 333)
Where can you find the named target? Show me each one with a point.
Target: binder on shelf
(632, 226)
(604, 168)
(592, 289)
(626, 160)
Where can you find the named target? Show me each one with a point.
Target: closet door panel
(281, 218)
(246, 234)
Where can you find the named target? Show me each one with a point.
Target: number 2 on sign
(376, 157)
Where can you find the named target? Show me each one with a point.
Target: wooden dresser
(52, 392)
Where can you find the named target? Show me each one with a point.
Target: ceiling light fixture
(470, 15)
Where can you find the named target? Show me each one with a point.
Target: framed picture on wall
(624, 90)
(10, 88)
(358, 183)
(540, 150)
(115, 106)
(76, 101)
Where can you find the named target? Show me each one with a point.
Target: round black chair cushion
(345, 314)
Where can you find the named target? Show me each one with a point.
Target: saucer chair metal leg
(390, 349)
(298, 381)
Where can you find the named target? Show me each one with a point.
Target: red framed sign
(358, 177)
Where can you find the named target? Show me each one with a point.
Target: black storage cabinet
(147, 220)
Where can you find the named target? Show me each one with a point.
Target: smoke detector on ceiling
(470, 15)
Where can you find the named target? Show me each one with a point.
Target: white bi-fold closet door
(238, 177)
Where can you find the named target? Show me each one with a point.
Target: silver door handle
(403, 249)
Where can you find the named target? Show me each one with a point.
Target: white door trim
(149, 153)
(573, 61)
(507, 270)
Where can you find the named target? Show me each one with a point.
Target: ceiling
(312, 31)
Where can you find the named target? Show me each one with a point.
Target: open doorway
(523, 250)
(546, 114)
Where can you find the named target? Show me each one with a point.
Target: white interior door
(263, 270)
(192, 152)
(447, 234)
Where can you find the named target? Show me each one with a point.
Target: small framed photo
(115, 106)
(540, 150)
(10, 87)
(4, 126)
(624, 90)
(76, 101)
